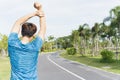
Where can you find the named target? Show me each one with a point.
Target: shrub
(71, 51)
(107, 56)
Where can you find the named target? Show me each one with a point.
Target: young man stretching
(24, 52)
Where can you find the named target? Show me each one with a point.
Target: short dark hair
(28, 29)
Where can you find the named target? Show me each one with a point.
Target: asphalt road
(53, 67)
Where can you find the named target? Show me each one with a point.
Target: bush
(107, 56)
(71, 51)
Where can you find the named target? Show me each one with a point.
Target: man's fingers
(40, 13)
(38, 6)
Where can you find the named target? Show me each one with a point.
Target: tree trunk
(96, 45)
(3, 52)
(84, 50)
(93, 48)
(81, 46)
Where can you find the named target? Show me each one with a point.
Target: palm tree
(114, 27)
(108, 32)
(103, 34)
(82, 33)
(75, 39)
(96, 29)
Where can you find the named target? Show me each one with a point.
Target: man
(24, 52)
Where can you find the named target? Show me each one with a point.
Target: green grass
(4, 68)
(95, 62)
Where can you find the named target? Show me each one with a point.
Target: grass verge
(4, 68)
(95, 62)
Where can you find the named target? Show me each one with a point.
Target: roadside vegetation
(97, 45)
(113, 66)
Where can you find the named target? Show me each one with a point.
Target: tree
(75, 39)
(114, 27)
(46, 46)
(3, 44)
(95, 38)
(50, 39)
(104, 35)
(83, 37)
(115, 23)
(64, 42)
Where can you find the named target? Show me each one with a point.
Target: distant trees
(48, 45)
(3, 45)
(51, 42)
(64, 42)
(104, 35)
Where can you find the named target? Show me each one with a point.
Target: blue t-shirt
(23, 58)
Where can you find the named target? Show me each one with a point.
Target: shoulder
(38, 42)
(13, 34)
(13, 37)
(38, 39)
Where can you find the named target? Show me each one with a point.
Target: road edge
(88, 65)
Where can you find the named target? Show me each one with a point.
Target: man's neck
(26, 39)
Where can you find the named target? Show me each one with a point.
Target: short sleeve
(12, 38)
(38, 42)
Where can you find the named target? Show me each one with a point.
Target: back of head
(28, 29)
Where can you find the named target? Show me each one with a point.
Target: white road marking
(65, 69)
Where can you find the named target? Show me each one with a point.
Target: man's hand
(40, 13)
(38, 6)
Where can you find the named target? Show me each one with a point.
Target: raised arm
(42, 30)
(20, 21)
(41, 15)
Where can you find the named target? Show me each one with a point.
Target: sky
(62, 16)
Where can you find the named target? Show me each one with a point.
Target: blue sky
(62, 16)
